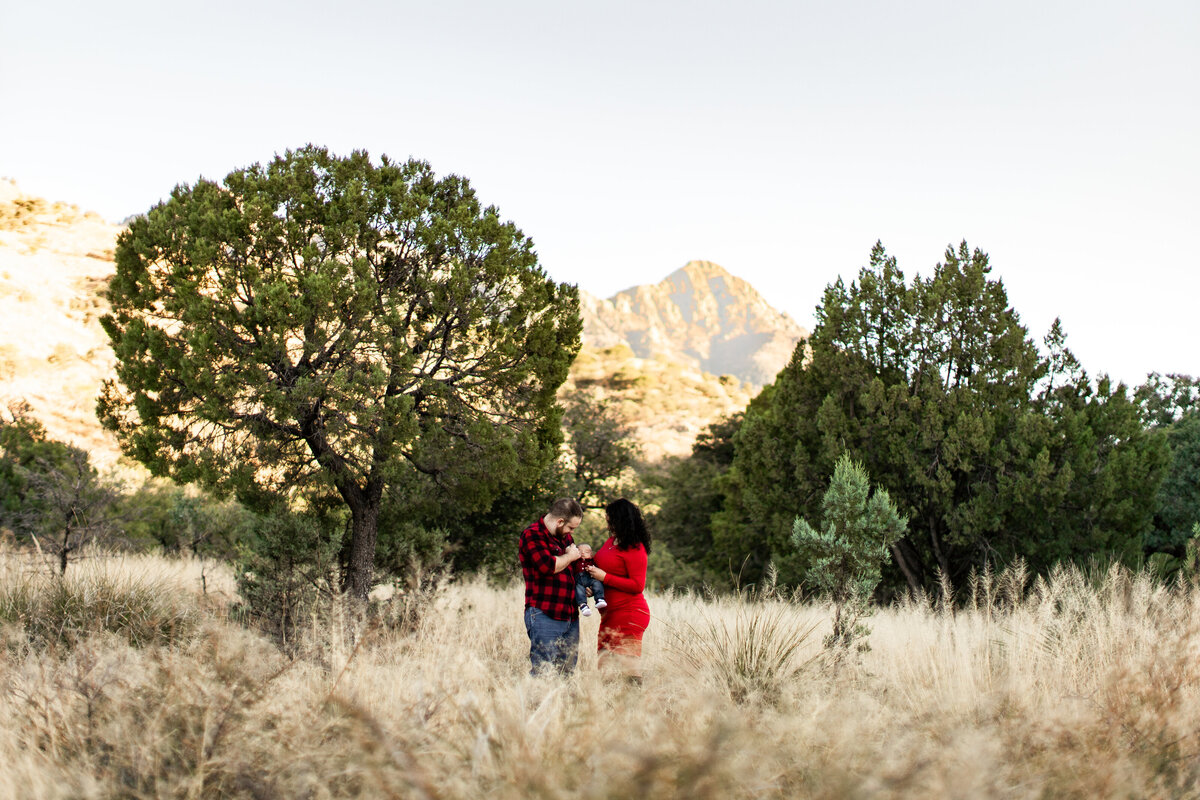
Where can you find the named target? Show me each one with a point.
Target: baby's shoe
(601, 603)
(584, 610)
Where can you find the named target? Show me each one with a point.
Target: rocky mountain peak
(700, 315)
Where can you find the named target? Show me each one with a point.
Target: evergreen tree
(599, 452)
(685, 552)
(50, 493)
(1179, 497)
(991, 450)
(322, 325)
(845, 555)
(1171, 404)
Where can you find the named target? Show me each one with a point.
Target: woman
(620, 564)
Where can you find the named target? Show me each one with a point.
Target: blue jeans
(583, 582)
(553, 643)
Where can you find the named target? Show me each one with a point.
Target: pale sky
(779, 139)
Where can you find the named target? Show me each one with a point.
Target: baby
(584, 581)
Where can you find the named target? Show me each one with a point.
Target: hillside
(54, 260)
(667, 402)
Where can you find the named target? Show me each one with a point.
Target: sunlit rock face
(55, 261)
(699, 315)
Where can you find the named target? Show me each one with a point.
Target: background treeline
(287, 557)
(995, 449)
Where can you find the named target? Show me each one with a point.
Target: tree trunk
(64, 551)
(363, 533)
(908, 565)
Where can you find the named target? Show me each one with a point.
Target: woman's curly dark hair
(627, 526)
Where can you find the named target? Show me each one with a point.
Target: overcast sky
(626, 138)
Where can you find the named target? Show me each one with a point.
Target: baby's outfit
(583, 582)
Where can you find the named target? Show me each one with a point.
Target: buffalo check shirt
(550, 592)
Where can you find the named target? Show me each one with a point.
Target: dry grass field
(125, 681)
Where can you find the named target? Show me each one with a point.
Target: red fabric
(621, 631)
(627, 616)
(551, 592)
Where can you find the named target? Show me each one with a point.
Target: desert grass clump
(63, 609)
(751, 647)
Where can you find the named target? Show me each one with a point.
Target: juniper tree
(599, 453)
(323, 324)
(845, 555)
(991, 449)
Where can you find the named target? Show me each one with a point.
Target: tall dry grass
(1071, 686)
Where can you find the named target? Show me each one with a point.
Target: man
(547, 553)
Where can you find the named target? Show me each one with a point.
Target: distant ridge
(699, 315)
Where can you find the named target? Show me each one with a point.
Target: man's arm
(537, 551)
(565, 560)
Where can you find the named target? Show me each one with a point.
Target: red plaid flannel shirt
(553, 593)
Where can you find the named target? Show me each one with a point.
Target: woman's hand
(596, 572)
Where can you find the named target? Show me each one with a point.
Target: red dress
(627, 616)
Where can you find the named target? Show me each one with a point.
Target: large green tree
(326, 324)
(1171, 403)
(990, 448)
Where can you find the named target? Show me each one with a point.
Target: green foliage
(992, 450)
(50, 493)
(845, 555)
(668, 571)
(180, 520)
(24, 447)
(1179, 495)
(408, 547)
(485, 541)
(685, 555)
(1171, 404)
(1164, 399)
(596, 461)
(291, 568)
(322, 326)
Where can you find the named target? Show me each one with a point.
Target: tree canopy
(992, 449)
(324, 324)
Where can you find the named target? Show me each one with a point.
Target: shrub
(65, 609)
(755, 656)
(845, 556)
(292, 564)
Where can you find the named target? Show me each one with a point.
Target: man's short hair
(566, 508)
